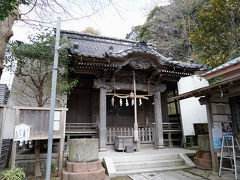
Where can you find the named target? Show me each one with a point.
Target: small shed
(222, 100)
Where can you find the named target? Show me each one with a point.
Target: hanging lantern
(131, 95)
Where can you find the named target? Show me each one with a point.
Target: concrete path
(186, 174)
(169, 175)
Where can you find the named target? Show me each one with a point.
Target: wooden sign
(22, 132)
(56, 123)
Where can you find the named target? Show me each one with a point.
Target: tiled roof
(100, 47)
(227, 64)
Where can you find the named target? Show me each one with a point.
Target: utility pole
(53, 98)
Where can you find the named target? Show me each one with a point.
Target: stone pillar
(158, 120)
(102, 120)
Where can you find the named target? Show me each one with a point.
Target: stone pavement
(186, 174)
(169, 175)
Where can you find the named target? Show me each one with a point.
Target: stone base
(83, 150)
(203, 160)
(159, 147)
(84, 171)
(103, 150)
(203, 163)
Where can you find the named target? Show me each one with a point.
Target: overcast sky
(112, 21)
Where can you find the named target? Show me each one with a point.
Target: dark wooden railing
(81, 129)
(146, 133)
(171, 129)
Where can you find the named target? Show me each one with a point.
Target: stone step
(148, 170)
(121, 166)
(144, 158)
(148, 164)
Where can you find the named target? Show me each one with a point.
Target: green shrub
(13, 174)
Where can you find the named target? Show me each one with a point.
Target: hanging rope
(128, 96)
(114, 88)
(148, 85)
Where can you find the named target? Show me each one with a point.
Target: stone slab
(83, 150)
(187, 160)
(110, 167)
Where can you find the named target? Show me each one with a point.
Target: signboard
(56, 122)
(217, 135)
(22, 132)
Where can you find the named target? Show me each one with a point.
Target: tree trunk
(5, 34)
(38, 172)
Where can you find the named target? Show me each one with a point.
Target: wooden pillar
(158, 120)
(38, 172)
(102, 120)
(14, 145)
(60, 156)
(61, 143)
(164, 107)
(210, 127)
(68, 140)
(13, 154)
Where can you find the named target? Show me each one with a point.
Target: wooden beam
(38, 108)
(210, 127)
(128, 86)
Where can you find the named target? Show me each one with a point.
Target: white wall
(191, 110)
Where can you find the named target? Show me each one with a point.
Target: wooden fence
(146, 134)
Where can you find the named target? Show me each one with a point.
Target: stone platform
(84, 171)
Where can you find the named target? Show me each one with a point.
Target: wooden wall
(83, 107)
(144, 112)
(80, 106)
(235, 111)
